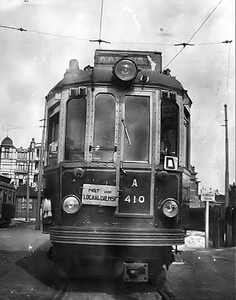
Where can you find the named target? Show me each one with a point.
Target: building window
(21, 155)
(6, 153)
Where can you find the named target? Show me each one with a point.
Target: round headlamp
(71, 204)
(170, 208)
(125, 70)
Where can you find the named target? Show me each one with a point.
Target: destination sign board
(111, 59)
(208, 196)
(104, 195)
(143, 59)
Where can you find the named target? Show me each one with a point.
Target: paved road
(27, 273)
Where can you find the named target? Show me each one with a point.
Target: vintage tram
(117, 166)
(7, 201)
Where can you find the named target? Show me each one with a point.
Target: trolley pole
(226, 159)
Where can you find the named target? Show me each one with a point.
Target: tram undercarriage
(122, 264)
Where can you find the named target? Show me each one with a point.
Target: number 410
(135, 199)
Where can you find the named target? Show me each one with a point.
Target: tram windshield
(75, 129)
(137, 128)
(104, 128)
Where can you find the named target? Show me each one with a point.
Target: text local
(99, 198)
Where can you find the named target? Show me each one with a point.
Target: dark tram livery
(7, 201)
(117, 166)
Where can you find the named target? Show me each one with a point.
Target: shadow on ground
(39, 266)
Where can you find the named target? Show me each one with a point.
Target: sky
(34, 61)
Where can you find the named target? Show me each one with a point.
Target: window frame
(85, 127)
(113, 147)
(149, 151)
(177, 141)
(52, 111)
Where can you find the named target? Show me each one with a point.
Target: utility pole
(38, 219)
(28, 186)
(226, 159)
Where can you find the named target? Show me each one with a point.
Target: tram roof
(104, 61)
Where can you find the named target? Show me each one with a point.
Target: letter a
(135, 183)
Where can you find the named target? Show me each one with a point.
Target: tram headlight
(125, 70)
(170, 207)
(71, 204)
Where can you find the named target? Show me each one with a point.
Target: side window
(53, 133)
(103, 147)
(75, 129)
(169, 128)
(10, 198)
(186, 150)
(4, 196)
(137, 128)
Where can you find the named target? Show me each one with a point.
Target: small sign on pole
(207, 197)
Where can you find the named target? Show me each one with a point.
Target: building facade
(20, 164)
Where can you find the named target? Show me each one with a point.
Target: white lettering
(135, 183)
(127, 199)
(133, 199)
(141, 199)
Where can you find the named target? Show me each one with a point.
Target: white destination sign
(208, 196)
(105, 195)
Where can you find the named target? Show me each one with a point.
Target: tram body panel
(117, 159)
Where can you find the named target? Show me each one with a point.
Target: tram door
(135, 175)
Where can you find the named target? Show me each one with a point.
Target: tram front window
(136, 124)
(75, 129)
(103, 147)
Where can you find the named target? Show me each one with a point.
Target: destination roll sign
(144, 60)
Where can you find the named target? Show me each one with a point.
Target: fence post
(216, 227)
(229, 222)
(222, 222)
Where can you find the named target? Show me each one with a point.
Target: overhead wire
(204, 21)
(41, 32)
(112, 42)
(138, 43)
(189, 40)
